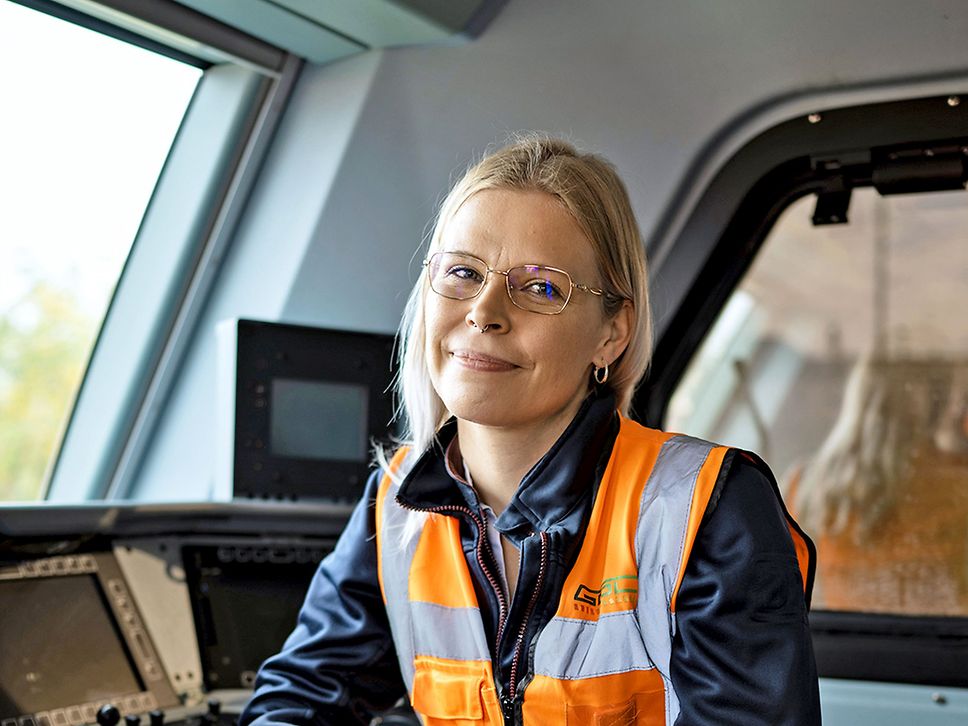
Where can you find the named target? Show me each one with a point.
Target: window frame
(183, 238)
(699, 273)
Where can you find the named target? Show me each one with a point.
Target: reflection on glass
(843, 360)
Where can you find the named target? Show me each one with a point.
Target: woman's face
(526, 368)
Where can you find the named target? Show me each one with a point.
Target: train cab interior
(212, 212)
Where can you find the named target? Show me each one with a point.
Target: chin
(504, 411)
(487, 412)
(506, 404)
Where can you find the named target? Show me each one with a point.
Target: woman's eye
(543, 289)
(464, 273)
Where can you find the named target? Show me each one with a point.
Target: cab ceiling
(325, 30)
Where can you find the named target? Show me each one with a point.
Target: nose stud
(480, 329)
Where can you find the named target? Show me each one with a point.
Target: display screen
(244, 611)
(59, 646)
(314, 420)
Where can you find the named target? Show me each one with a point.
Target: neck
(499, 457)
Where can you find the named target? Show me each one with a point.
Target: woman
(532, 556)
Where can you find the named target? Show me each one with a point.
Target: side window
(842, 358)
(87, 125)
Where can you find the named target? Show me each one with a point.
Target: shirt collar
(548, 492)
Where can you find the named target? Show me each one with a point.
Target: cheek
(439, 319)
(564, 353)
(569, 353)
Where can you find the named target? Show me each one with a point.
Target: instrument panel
(150, 613)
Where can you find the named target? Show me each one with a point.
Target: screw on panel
(815, 118)
(939, 698)
(954, 101)
(929, 152)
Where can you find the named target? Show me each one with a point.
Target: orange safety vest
(604, 656)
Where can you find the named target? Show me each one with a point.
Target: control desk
(149, 614)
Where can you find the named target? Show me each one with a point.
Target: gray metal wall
(666, 90)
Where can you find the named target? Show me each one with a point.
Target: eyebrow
(520, 264)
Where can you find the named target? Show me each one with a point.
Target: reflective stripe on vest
(604, 656)
(434, 616)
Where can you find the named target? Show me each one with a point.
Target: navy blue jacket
(742, 653)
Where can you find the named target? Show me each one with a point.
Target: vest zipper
(519, 644)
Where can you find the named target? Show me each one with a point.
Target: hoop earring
(600, 374)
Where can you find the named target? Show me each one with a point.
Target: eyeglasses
(535, 288)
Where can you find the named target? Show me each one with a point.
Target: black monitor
(299, 407)
(245, 601)
(72, 640)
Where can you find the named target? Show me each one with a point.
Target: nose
(489, 310)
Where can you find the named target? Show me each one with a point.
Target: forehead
(510, 227)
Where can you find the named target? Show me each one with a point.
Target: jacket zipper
(506, 700)
(519, 644)
(481, 543)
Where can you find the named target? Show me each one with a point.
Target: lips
(481, 361)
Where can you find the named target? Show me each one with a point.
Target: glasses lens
(456, 276)
(539, 289)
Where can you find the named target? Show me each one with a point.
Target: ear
(618, 332)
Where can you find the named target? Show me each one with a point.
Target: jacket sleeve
(339, 664)
(742, 652)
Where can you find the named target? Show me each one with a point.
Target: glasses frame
(507, 282)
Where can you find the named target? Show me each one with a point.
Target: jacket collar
(548, 493)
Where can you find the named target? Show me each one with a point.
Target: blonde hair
(590, 189)
(888, 413)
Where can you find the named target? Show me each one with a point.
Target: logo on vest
(622, 591)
